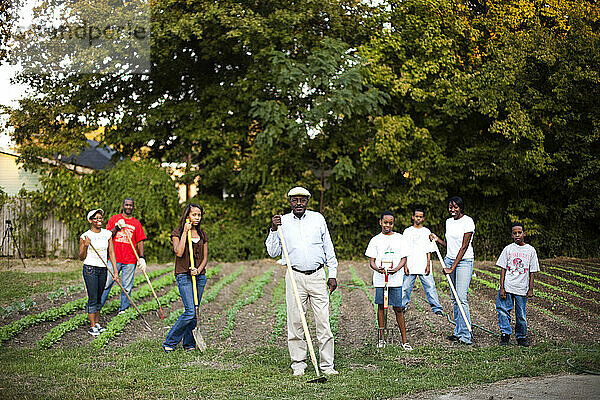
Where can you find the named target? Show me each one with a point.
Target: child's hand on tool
(142, 264)
(187, 226)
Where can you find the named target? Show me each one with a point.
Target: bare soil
(554, 320)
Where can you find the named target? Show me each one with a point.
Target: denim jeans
(126, 271)
(182, 328)
(505, 306)
(428, 286)
(94, 278)
(461, 278)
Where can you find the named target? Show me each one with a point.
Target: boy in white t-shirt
(387, 251)
(418, 262)
(519, 262)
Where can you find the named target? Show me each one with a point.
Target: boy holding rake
(387, 257)
(519, 262)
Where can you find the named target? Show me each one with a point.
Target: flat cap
(298, 191)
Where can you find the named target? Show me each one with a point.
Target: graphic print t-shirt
(387, 248)
(518, 261)
(133, 229)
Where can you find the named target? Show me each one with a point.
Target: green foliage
(70, 197)
(496, 102)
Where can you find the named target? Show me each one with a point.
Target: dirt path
(556, 387)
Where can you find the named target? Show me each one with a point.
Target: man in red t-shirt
(124, 227)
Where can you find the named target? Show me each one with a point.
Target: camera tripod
(8, 236)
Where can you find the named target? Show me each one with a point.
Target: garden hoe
(453, 289)
(161, 314)
(196, 331)
(319, 378)
(115, 279)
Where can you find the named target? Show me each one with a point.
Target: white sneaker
(94, 331)
(330, 371)
(381, 344)
(407, 346)
(298, 372)
(121, 312)
(100, 328)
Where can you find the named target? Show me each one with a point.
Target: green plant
(247, 296)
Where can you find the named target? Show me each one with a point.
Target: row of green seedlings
(249, 293)
(572, 282)
(17, 306)
(279, 305)
(547, 295)
(568, 271)
(367, 290)
(335, 300)
(117, 324)
(590, 266)
(28, 302)
(548, 313)
(60, 292)
(52, 314)
(81, 319)
(208, 297)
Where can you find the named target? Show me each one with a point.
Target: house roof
(94, 156)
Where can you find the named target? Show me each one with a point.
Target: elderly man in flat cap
(310, 248)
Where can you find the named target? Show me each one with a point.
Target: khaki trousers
(311, 288)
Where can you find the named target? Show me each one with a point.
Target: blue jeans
(504, 307)
(126, 271)
(461, 278)
(94, 278)
(182, 328)
(429, 287)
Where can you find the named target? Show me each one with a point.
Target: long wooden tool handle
(452, 288)
(121, 286)
(189, 238)
(298, 302)
(162, 314)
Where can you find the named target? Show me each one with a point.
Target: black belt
(308, 272)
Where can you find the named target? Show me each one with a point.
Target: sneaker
(452, 338)
(121, 312)
(330, 371)
(299, 372)
(94, 331)
(381, 344)
(168, 349)
(504, 339)
(439, 313)
(523, 342)
(100, 328)
(407, 346)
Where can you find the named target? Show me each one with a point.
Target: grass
(16, 285)
(144, 369)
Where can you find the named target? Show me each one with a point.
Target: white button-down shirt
(308, 242)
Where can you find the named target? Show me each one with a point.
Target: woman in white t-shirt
(95, 246)
(459, 263)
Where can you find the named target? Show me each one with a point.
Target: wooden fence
(52, 241)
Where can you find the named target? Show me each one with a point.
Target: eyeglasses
(296, 200)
